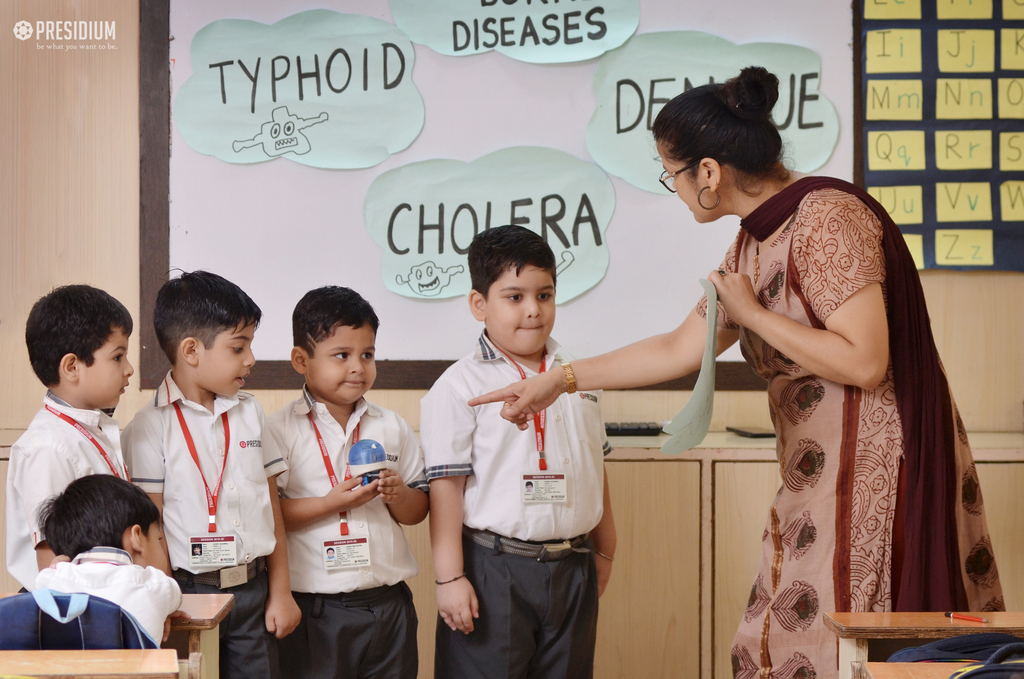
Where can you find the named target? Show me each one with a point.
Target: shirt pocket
(251, 464)
(591, 423)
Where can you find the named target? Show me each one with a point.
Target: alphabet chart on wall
(941, 126)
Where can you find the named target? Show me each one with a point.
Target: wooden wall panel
(7, 581)
(979, 330)
(69, 162)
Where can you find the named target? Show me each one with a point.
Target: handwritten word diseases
(424, 216)
(633, 83)
(321, 88)
(536, 31)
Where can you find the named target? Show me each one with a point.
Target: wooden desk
(157, 664)
(908, 670)
(856, 630)
(201, 633)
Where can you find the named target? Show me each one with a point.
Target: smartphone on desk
(752, 432)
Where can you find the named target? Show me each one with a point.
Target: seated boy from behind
(111, 530)
(77, 339)
(511, 510)
(355, 563)
(196, 449)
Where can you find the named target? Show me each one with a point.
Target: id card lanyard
(85, 432)
(330, 467)
(211, 497)
(540, 418)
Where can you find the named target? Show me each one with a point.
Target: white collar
(309, 404)
(488, 352)
(92, 418)
(118, 557)
(168, 392)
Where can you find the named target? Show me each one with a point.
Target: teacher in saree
(880, 508)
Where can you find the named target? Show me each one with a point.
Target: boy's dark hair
(200, 304)
(496, 250)
(95, 511)
(73, 319)
(320, 312)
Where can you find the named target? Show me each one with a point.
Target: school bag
(1006, 663)
(48, 620)
(961, 648)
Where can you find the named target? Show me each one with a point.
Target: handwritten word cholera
(405, 231)
(335, 72)
(571, 28)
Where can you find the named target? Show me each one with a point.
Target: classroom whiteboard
(280, 228)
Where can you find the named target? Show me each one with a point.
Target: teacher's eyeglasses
(668, 179)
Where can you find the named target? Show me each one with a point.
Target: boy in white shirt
(196, 449)
(77, 339)
(348, 554)
(111, 530)
(516, 517)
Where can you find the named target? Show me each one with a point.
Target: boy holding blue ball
(348, 555)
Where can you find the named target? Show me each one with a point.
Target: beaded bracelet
(604, 555)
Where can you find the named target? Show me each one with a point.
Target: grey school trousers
(247, 649)
(537, 619)
(368, 634)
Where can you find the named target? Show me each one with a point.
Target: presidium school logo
(61, 33)
(23, 30)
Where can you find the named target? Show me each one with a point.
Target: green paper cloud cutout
(633, 82)
(424, 215)
(534, 32)
(320, 88)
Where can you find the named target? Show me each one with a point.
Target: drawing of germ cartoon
(427, 279)
(567, 259)
(282, 134)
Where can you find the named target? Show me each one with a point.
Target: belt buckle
(234, 576)
(555, 549)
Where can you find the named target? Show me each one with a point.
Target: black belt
(541, 551)
(212, 578)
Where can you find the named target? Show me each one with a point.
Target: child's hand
(167, 623)
(391, 485)
(458, 605)
(282, 614)
(604, 573)
(349, 494)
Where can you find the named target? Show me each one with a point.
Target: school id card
(342, 553)
(212, 549)
(543, 488)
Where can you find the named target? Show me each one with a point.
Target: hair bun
(752, 94)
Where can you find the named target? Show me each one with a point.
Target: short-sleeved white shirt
(290, 435)
(147, 593)
(44, 460)
(160, 462)
(494, 454)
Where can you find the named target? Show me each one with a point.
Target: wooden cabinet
(649, 621)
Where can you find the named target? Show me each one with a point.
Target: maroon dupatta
(930, 577)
